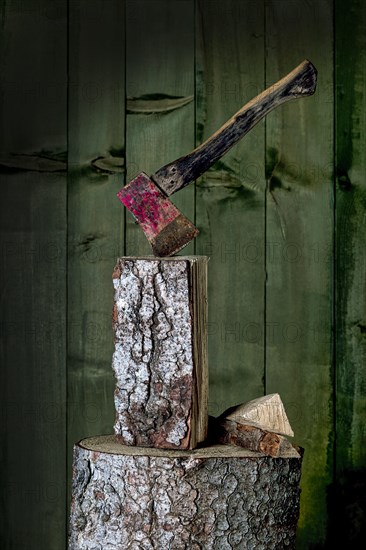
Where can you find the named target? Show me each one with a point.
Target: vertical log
(160, 358)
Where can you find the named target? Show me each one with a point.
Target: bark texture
(250, 437)
(220, 497)
(160, 358)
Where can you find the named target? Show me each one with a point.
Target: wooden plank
(230, 199)
(350, 291)
(96, 131)
(33, 274)
(160, 106)
(299, 156)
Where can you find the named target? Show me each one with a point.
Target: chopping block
(218, 497)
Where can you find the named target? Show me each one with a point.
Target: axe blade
(165, 227)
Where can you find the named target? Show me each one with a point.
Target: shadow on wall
(347, 511)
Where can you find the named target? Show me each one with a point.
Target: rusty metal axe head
(165, 227)
(167, 230)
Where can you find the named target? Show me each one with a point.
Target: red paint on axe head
(150, 207)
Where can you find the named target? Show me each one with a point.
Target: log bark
(217, 497)
(249, 437)
(160, 358)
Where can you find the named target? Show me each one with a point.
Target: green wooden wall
(94, 91)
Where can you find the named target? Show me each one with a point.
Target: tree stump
(160, 358)
(218, 497)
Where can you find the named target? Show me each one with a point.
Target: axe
(165, 227)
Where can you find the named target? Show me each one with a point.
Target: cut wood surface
(266, 412)
(160, 358)
(218, 497)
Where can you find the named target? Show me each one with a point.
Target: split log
(160, 358)
(256, 425)
(218, 497)
(266, 412)
(249, 437)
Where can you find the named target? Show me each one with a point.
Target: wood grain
(299, 236)
(33, 272)
(230, 199)
(160, 66)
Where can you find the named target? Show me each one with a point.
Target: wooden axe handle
(300, 82)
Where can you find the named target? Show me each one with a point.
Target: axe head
(166, 229)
